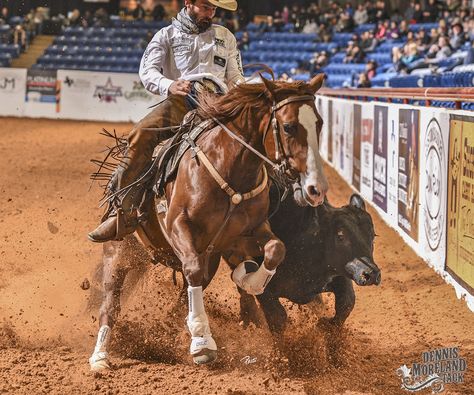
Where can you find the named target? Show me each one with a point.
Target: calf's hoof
(205, 356)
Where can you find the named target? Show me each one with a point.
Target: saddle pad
(170, 160)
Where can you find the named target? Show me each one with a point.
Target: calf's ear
(357, 201)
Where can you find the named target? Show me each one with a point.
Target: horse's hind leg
(114, 273)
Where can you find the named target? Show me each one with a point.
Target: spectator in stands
(396, 17)
(19, 36)
(278, 21)
(88, 19)
(318, 61)
(5, 16)
(457, 38)
(392, 32)
(346, 22)
(360, 15)
(368, 42)
(139, 12)
(439, 51)
(244, 43)
(431, 12)
(403, 29)
(469, 59)
(74, 18)
(364, 81)
(311, 27)
(158, 13)
(409, 12)
(371, 12)
(101, 18)
(453, 5)
(163, 69)
(325, 34)
(381, 31)
(354, 53)
(381, 13)
(371, 69)
(417, 14)
(434, 36)
(422, 40)
(408, 57)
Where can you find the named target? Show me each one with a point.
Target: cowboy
(190, 45)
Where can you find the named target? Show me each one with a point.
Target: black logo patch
(219, 61)
(219, 42)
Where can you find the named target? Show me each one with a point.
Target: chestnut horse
(218, 203)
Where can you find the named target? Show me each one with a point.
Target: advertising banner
(356, 145)
(103, 96)
(460, 232)
(342, 137)
(321, 106)
(408, 171)
(380, 157)
(392, 166)
(330, 129)
(42, 93)
(434, 141)
(12, 91)
(367, 153)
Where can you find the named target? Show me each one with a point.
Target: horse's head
(296, 126)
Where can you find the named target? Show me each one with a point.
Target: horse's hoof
(98, 364)
(205, 356)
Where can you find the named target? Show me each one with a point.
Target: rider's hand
(180, 87)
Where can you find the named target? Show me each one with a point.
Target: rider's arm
(234, 73)
(152, 64)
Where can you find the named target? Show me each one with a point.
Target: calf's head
(350, 241)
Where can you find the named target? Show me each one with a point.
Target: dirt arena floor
(48, 324)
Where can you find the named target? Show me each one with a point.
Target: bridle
(281, 166)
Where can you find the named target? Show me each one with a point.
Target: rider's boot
(121, 218)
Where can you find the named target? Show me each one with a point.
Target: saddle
(170, 154)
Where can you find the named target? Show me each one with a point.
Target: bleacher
(114, 49)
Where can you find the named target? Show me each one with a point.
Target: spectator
(422, 40)
(101, 18)
(19, 36)
(392, 32)
(418, 13)
(285, 15)
(371, 69)
(244, 43)
(310, 27)
(139, 12)
(318, 61)
(469, 59)
(381, 10)
(381, 32)
(158, 12)
(74, 19)
(371, 12)
(439, 51)
(360, 15)
(87, 20)
(5, 16)
(364, 81)
(354, 53)
(434, 36)
(457, 37)
(430, 14)
(368, 42)
(410, 12)
(403, 29)
(408, 58)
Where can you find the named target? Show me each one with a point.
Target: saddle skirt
(170, 154)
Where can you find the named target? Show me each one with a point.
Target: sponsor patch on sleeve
(219, 61)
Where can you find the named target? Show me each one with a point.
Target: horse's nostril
(378, 278)
(312, 191)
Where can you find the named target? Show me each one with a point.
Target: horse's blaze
(313, 181)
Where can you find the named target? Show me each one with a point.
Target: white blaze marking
(314, 172)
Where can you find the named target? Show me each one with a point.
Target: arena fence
(415, 165)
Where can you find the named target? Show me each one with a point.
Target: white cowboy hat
(230, 5)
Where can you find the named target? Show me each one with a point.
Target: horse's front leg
(248, 275)
(203, 348)
(114, 273)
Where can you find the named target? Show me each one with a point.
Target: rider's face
(202, 12)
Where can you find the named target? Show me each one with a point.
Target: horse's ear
(317, 82)
(271, 86)
(357, 201)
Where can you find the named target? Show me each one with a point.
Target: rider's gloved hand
(180, 87)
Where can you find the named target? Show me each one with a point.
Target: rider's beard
(202, 23)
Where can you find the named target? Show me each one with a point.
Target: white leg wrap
(251, 279)
(99, 358)
(198, 323)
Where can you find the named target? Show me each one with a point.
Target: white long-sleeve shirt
(173, 54)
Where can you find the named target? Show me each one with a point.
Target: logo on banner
(109, 92)
(78, 83)
(434, 157)
(7, 84)
(138, 93)
(438, 368)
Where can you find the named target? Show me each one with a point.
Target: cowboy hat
(230, 5)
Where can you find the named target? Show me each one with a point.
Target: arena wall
(414, 165)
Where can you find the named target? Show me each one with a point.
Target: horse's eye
(290, 128)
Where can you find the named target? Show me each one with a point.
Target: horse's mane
(245, 97)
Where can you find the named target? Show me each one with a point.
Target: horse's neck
(244, 165)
